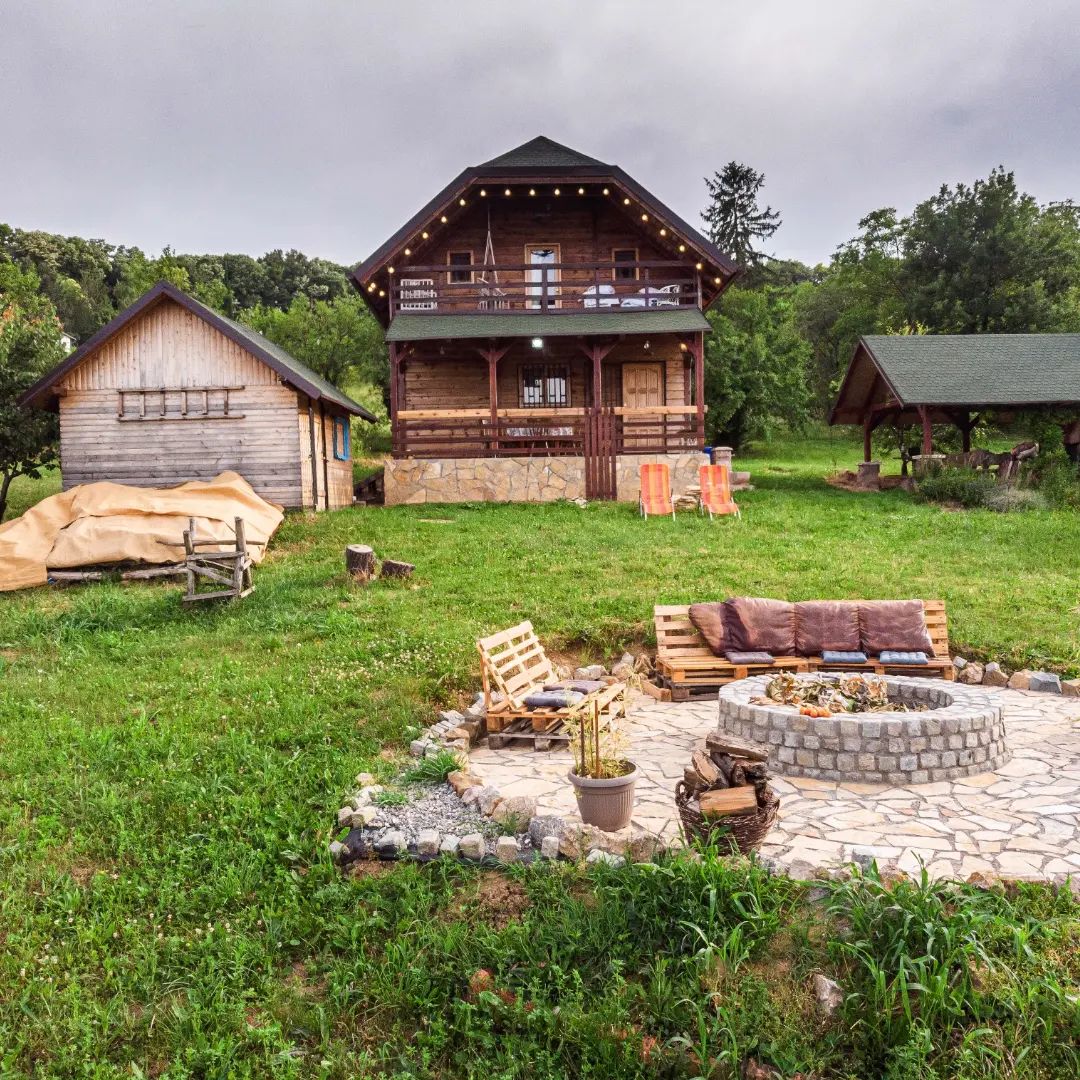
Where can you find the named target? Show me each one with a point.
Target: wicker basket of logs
(724, 798)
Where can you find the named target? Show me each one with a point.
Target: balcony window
(628, 272)
(544, 386)
(461, 259)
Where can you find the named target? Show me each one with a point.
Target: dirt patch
(849, 481)
(371, 868)
(83, 872)
(492, 898)
(10, 655)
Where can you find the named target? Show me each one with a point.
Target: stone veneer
(962, 734)
(520, 479)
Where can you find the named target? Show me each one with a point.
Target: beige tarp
(98, 524)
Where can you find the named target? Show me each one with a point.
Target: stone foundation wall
(962, 734)
(520, 479)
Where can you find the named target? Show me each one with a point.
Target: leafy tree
(29, 346)
(756, 365)
(339, 339)
(733, 219)
(138, 274)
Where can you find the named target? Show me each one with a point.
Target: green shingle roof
(541, 324)
(979, 369)
(540, 153)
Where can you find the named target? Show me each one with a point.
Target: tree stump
(393, 569)
(360, 561)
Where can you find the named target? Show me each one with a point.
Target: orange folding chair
(655, 496)
(715, 483)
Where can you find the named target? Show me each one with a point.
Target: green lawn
(168, 780)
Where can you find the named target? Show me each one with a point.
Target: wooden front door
(643, 388)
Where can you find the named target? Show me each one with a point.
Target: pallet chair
(655, 494)
(514, 664)
(715, 496)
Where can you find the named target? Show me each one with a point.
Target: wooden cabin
(171, 391)
(545, 321)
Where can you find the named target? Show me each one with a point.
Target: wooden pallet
(521, 730)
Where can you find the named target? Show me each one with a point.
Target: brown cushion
(709, 621)
(753, 623)
(893, 624)
(831, 625)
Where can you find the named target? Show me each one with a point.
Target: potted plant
(603, 780)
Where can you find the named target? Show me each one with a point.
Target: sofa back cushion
(753, 623)
(826, 626)
(893, 624)
(709, 621)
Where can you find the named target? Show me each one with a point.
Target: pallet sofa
(513, 666)
(689, 668)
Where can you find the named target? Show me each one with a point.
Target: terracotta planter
(607, 804)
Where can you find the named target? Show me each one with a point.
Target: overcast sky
(246, 125)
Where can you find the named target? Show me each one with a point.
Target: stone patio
(1021, 821)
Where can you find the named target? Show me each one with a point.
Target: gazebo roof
(961, 371)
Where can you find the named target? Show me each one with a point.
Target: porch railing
(552, 287)
(469, 433)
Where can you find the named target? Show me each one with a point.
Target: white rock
(471, 846)
(427, 842)
(827, 994)
(489, 799)
(394, 840)
(418, 747)
(506, 849)
(449, 846)
(365, 779)
(450, 717)
(549, 847)
(337, 850)
(592, 671)
(471, 795)
(517, 808)
(344, 816)
(364, 816)
(597, 855)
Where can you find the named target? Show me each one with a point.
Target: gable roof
(539, 157)
(296, 374)
(541, 153)
(961, 371)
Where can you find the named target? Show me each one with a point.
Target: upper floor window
(627, 272)
(463, 259)
(545, 386)
(341, 438)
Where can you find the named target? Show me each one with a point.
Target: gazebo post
(927, 432)
(867, 438)
(965, 432)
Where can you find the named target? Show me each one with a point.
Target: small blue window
(341, 438)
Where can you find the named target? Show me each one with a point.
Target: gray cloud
(255, 124)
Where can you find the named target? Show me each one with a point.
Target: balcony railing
(469, 433)
(549, 287)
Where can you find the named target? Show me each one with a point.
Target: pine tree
(733, 219)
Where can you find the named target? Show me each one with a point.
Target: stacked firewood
(688, 500)
(727, 777)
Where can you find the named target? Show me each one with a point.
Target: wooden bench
(689, 667)
(514, 664)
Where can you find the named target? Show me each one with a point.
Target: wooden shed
(171, 391)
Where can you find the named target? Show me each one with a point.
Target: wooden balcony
(566, 288)
(471, 433)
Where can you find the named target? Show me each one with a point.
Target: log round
(393, 569)
(360, 561)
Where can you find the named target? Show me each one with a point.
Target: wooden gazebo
(924, 379)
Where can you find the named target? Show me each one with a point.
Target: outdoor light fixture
(663, 232)
(537, 342)
(699, 266)
(483, 193)
(626, 202)
(557, 192)
(605, 191)
(382, 292)
(682, 247)
(408, 251)
(647, 346)
(581, 191)
(389, 269)
(716, 281)
(682, 346)
(423, 236)
(644, 217)
(532, 191)
(461, 202)
(507, 191)
(443, 219)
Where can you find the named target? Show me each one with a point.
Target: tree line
(972, 258)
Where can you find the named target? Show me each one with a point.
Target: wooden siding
(458, 379)
(332, 476)
(169, 347)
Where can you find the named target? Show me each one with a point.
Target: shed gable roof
(287, 366)
(962, 370)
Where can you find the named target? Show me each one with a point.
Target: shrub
(1058, 479)
(1007, 499)
(961, 486)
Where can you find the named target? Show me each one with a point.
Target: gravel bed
(431, 806)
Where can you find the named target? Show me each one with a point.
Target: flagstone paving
(1021, 821)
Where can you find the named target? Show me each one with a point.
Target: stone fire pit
(961, 733)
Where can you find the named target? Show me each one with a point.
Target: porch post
(493, 397)
(597, 356)
(927, 434)
(394, 404)
(698, 349)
